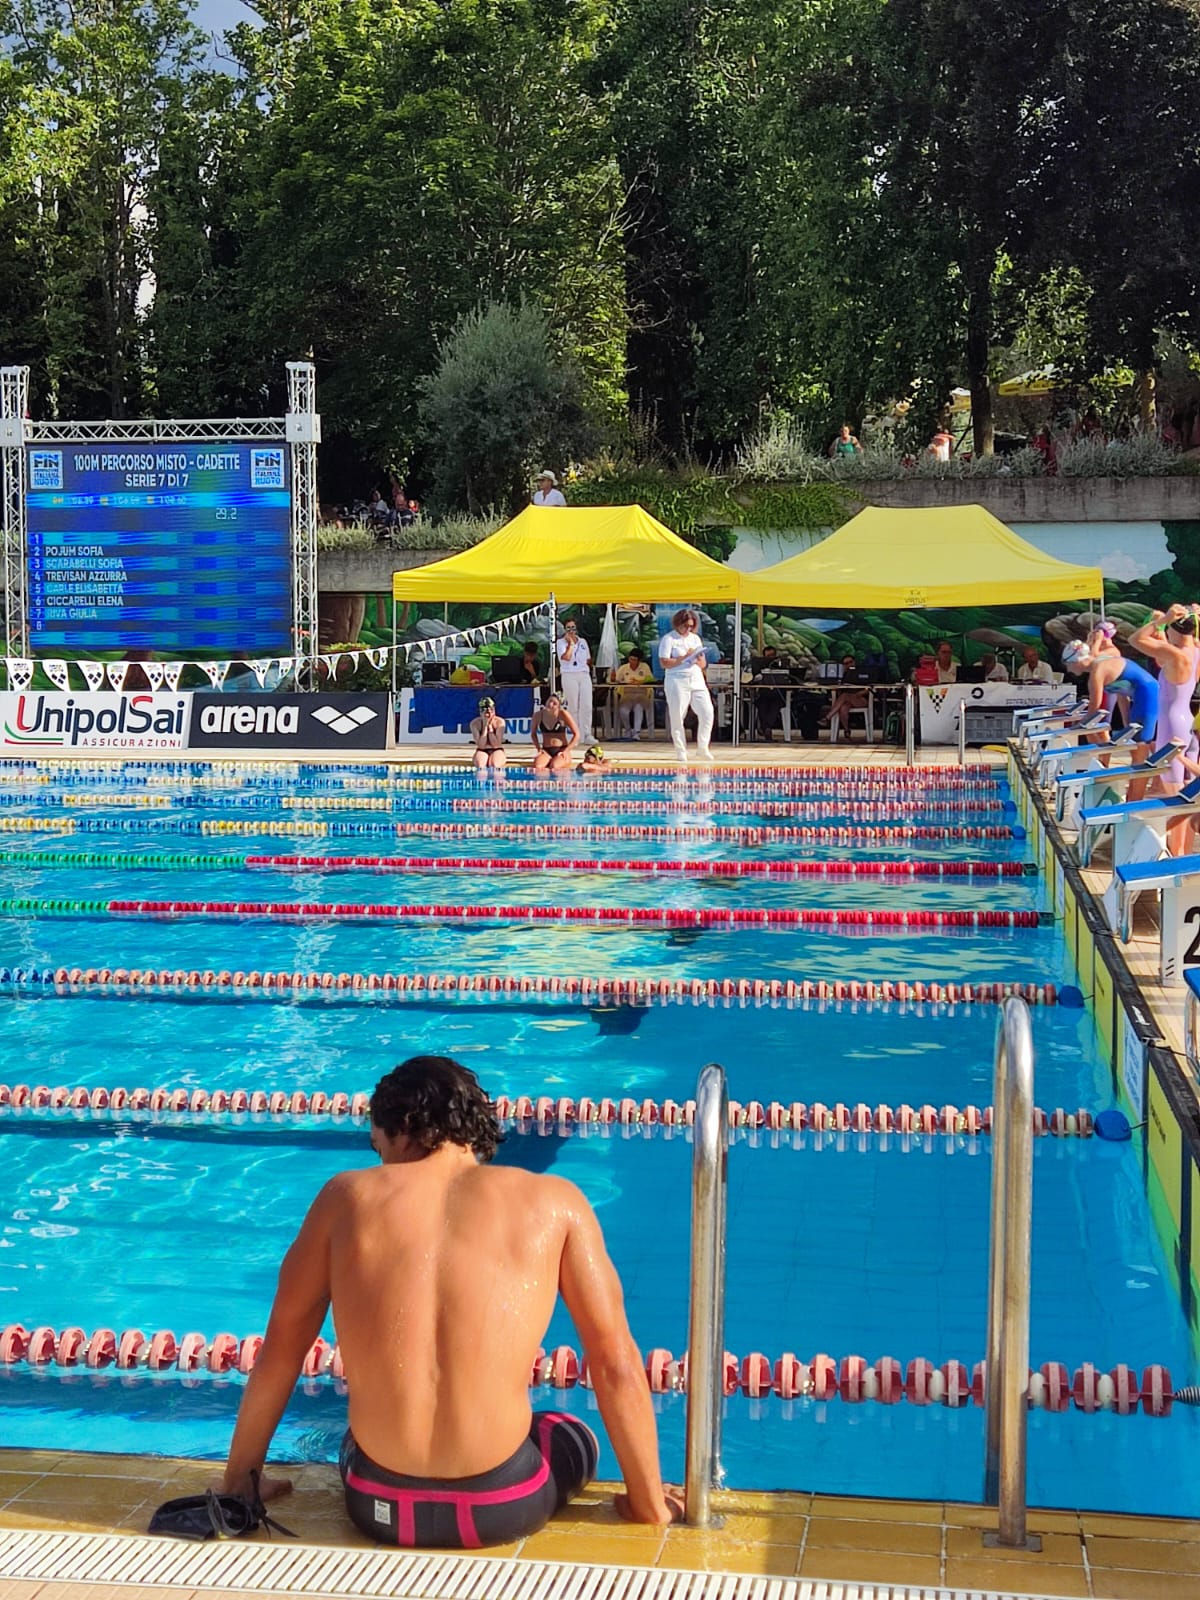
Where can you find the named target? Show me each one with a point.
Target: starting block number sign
(1180, 929)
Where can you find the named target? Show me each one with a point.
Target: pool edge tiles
(1139, 1028)
(86, 1500)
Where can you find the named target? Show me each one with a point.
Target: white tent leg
(737, 671)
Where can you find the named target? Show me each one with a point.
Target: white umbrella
(608, 656)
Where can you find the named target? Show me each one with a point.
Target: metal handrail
(910, 725)
(1008, 1272)
(962, 733)
(706, 1311)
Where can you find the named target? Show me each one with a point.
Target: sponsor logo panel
(98, 720)
(290, 721)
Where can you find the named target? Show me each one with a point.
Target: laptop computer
(508, 669)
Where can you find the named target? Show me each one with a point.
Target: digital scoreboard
(174, 547)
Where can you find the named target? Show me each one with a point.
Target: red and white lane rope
(636, 991)
(867, 807)
(547, 1111)
(1052, 1387)
(688, 869)
(850, 834)
(640, 916)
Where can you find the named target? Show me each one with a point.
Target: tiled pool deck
(771, 1535)
(931, 1547)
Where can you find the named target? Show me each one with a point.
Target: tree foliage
(810, 208)
(501, 400)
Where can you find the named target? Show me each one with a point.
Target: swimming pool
(843, 1243)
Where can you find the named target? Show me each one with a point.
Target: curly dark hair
(436, 1101)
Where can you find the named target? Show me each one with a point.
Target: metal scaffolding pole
(14, 405)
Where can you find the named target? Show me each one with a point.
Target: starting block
(1056, 759)
(1080, 789)
(1177, 880)
(1125, 819)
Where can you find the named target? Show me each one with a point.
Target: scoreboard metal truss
(300, 428)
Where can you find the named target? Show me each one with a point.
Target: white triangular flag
(259, 669)
(20, 672)
(378, 658)
(172, 672)
(286, 663)
(353, 657)
(156, 672)
(93, 672)
(215, 672)
(115, 673)
(56, 671)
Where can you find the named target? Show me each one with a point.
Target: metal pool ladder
(1008, 1277)
(706, 1312)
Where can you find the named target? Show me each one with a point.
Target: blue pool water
(854, 1245)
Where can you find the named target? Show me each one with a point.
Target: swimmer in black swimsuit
(553, 731)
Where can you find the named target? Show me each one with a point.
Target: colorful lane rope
(315, 828)
(251, 772)
(624, 916)
(524, 1112)
(586, 991)
(1052, 1387)
(179, 862)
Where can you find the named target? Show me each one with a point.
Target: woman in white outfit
(575, 665)
(681, 652)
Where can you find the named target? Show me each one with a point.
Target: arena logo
(250, 719)
(99, 721)
(291, 721)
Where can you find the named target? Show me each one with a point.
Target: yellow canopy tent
(1042, 380)
(903, 560)
(589, 555)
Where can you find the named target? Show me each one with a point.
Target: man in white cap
(547, 492)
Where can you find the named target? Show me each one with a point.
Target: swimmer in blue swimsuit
(1114, 675)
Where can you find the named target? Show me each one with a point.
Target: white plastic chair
(867, 713)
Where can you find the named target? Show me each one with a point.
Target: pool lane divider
(522, 1113)
(620, 916)
(862, 786)
(179, 862)
(234, 772)
(599, 994)
(314, 828)
(1051, 1387)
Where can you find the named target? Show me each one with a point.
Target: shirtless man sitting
(443, 1273)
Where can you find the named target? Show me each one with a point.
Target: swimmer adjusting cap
(1075, 651)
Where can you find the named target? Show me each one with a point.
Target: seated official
(635, 694)
(443, 1273)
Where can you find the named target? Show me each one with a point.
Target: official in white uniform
(681, 652)
(575, 665)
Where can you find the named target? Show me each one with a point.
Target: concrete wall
(1049, 499)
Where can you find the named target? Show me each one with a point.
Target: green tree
(501, 400)
(92, 83)
(424, 158)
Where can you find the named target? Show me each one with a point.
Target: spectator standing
(547, 492)
(940, 445)
(846, 445)
(575, 664)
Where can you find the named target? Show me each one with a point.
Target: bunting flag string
(115, 674)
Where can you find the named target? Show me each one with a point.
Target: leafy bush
(502, 401)
(332, 537)
(1140, 456)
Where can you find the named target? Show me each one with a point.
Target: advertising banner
(939, 706)
(290, 722)
(38, 723)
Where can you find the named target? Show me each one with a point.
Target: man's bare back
(460, 1264)
(443, 1274)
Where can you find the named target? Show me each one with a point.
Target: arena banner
(290, 722)
(99, 720)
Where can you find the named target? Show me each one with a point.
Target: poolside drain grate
(124, 1559)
